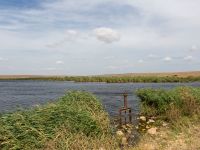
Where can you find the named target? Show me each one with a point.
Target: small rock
(164, 124)
(124, 127)
(152, 131)
(129, 126)
(143, 118)
(119, 133)
(129, 131)
(149, 146)
(136, 127)
(147, 127)
(150, 121)
(124, 141)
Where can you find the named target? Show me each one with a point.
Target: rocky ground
(148, 135)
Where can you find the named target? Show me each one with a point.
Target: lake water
(25, 94)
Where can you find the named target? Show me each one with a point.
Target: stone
(150, 121)
(124, 141)
(147, 127)
(124, 127)
(149, 147)
(120, 133)
(152, 131)
(164, 124)
(143, 118)
(129, 131)
(129, 126)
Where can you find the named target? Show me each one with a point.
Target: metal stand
(127, 111)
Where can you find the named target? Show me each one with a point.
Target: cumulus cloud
(140, 61)
(68, 35)
(59, 62)
(194, 48)
(3, 59)
(109, 57)
(50, 69)
(188, 58)
(106, 35)
(167, 59)
(152, 56)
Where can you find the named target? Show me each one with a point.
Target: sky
(86, 37)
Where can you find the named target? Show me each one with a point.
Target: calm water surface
(25, 94)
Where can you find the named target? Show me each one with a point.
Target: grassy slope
(180, 107)
(76, 121)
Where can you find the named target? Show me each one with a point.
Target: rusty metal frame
(127, 111)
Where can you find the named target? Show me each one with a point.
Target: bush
(170, 104)
(77, 114)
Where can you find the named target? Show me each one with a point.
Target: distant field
(169, 74)
(178, 74)
(116, 78)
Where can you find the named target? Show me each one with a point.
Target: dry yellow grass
(161, 74)
(167, 139)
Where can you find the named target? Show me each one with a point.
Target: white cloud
(3, 59)
(194, 48)
(59, 62)
(51, 69)
(152, 56)
(112, 67)
(167, 59)
(109, 57)
(72, 32)
(188, 58)
(140, 61)
(106, 35)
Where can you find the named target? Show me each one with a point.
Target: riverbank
(175, 119)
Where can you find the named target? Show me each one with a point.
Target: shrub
(170, 104)
(76, 114)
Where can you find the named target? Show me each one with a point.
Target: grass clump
(177, 117)
(170, 104)
(71, 122)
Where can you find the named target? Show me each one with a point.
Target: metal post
(126, 110)
(125, 100)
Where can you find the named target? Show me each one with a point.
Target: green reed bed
(75, 121)
(115, 79)
(170, 105)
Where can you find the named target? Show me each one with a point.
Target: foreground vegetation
(115, 79)
(177, 115)
(170, 105)
(76, 121)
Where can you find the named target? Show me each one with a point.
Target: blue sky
(84, 37)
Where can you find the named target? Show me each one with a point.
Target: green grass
(74, 120)
(115, 79)
(180, 109)
(170, 104)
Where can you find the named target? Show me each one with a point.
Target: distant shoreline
(116, 78)
(157, 74)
